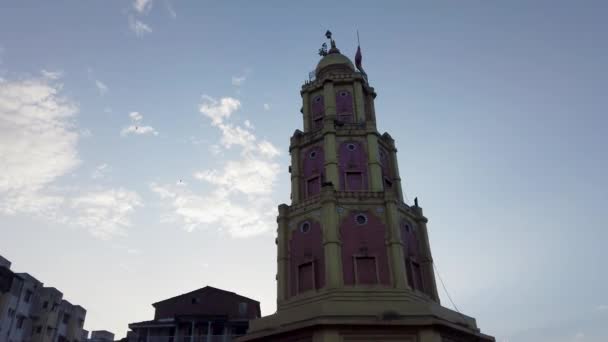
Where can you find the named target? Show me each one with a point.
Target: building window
(354, 180)
(39, 329)
(414, 275)
(54, 307)
(196, 300)
(351, 147)
(11, 312)
(365, 270)
(242, 308)
(45, 305)
(66, 319)
(305, 227)
(388, 183)
(81, 322)
(49, 331)
(313, 186)
(361, 219)
(306, 277)
(20, 320)
(28, 296)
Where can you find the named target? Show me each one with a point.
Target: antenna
(358, 43)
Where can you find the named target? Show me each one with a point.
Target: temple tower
(354, 260)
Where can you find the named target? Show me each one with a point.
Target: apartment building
(30, 312)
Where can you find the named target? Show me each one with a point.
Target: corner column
(396, 175)
(359, 103)
(306, 111)
(295, 173)
(395, 245)
(329, 136)
(282, 257)
(427, 260)
(331, 239)
(375, 170)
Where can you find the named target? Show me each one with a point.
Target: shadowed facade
(354, 260)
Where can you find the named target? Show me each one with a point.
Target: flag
(358, 58)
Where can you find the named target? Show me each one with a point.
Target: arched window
(344, 106)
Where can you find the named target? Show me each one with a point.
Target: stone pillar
(192, 333)
(295, 173)
(329, 97)
(331, 239)
(176, 333)
(359, 102)
(375, 170)
(395, 244)
(329, 148)
(396, 175)
(209, 331)
(306, 111)
(282, 254)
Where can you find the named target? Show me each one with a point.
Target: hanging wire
(445, 288)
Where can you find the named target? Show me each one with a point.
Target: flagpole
(358, 43)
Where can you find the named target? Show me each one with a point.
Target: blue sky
(119, 118)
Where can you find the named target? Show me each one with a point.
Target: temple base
(370, 315)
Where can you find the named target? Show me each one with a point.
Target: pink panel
(344, 106)
(366, 270)
(411, 242)
(363, 240)
(313, 186)
(313, 164)
(318, 111)
(354, 181)
(305, 277)
(352, 159)
(306, 248)
(410, 239)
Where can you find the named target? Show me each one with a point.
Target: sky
(124, 124)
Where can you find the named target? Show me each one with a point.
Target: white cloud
(215, 149)
(220, 110)
(142, 6)
(267, 149)
(101, 87)
(135, 116)
(100, 171)
(51, 75)
(138, 130)
(266, 106)
(248, 176)
(136, 127)
(215, 210)
(37, 143)
(105, 213)
(240, 199)
(170, 9)
(237, 81)
(138, 27)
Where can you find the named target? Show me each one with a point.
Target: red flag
(358, 58)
